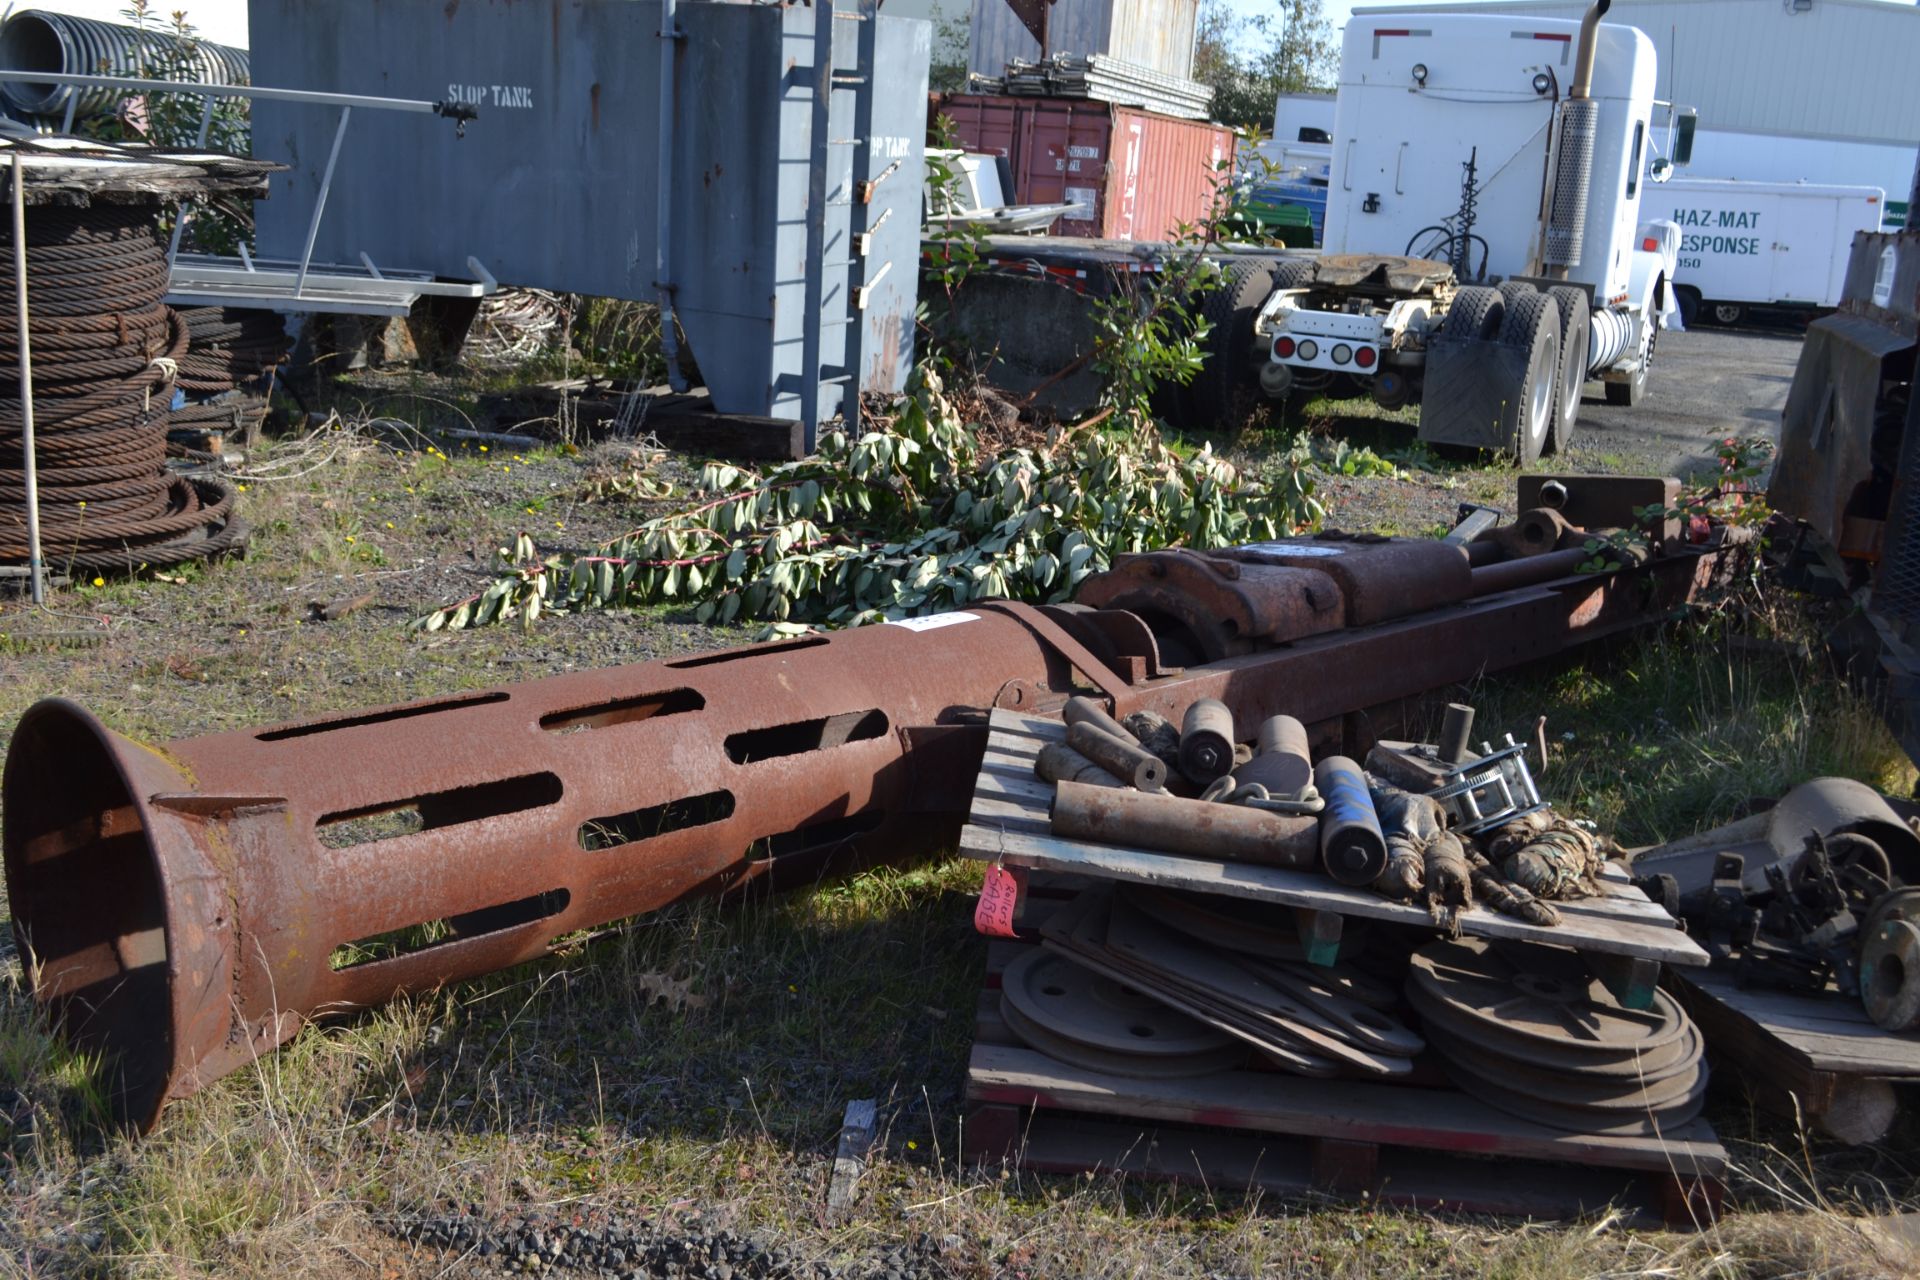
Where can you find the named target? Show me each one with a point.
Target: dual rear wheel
(1551, 330)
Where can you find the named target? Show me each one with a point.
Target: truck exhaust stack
(1566, 229)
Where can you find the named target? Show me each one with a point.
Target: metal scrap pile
(1139, 980)
(1421, 823)
(1819, 895)
(1144, 982)
(106, 355)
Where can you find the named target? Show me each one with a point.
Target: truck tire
(1476, 313)
(1222, 395)
(1532, 325)
(1576, 324)
(1727, 313)
(1687, 298)
(1512, 289)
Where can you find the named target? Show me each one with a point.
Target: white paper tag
(933, 622)
(1295, 548)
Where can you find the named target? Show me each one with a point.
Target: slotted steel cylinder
(184, 908)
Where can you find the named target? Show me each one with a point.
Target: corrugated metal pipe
(1566, 229)
(35, 40)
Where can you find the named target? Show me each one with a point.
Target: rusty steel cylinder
(1058, 762)
(1206, 741)
(184, 908)
(1086, 711)
(1282, 765)
(1353, 849)
(1122, 757)
(1141, 820)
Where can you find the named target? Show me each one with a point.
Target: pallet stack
(1394, 1122)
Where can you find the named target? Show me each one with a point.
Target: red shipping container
(1137, 175)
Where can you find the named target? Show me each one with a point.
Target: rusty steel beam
(184, 908)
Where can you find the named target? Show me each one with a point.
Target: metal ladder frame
(858, 80)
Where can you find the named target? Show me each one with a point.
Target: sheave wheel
(1576, 323)
(1532, 324)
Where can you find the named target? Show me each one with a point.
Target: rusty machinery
(182, 908)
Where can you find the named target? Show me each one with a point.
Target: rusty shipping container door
(1134, 175)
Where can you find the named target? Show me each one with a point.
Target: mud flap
(1473, 392)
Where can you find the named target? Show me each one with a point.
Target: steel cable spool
(229, 346)
(106, 355)
(1538, 1038)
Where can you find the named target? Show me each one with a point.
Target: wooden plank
(1631, 979)
(1009, 815)
(1010, 785)
(850, 1158)
(1000, 755)
(1833, 1036)
(1319, 935)
(1305, 889)
(1012, 723)
(1050, 1142)
(1349, 1110)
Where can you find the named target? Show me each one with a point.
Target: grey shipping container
(555, 184)
(1157, 34)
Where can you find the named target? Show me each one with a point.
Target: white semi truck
(1484, 254)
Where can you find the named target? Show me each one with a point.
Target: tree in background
(1251, 60)
(948, 74)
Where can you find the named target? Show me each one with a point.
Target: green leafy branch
(905, 519)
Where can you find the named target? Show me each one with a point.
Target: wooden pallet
(1623, 935)
(1419, 1144)
(1819, 1056)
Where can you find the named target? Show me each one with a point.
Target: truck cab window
(1633, 165)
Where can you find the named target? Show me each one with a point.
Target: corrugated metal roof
(1840, 69)
(1154, 33)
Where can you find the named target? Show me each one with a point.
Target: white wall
(221, 21)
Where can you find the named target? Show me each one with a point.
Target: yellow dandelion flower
(99, 582)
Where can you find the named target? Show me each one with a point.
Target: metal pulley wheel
(1646, 1121)
(1539, 1039)
(1890, 974)
(1237, 924)
(1556, 1010)
(1086, 1020)
(1576, 1088)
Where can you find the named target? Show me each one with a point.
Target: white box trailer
(1776, 245)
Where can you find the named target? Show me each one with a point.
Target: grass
(699, 1058)
(571, 1087)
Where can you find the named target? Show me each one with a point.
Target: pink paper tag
(999, 899)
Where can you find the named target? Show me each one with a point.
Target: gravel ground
(1706, 384)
